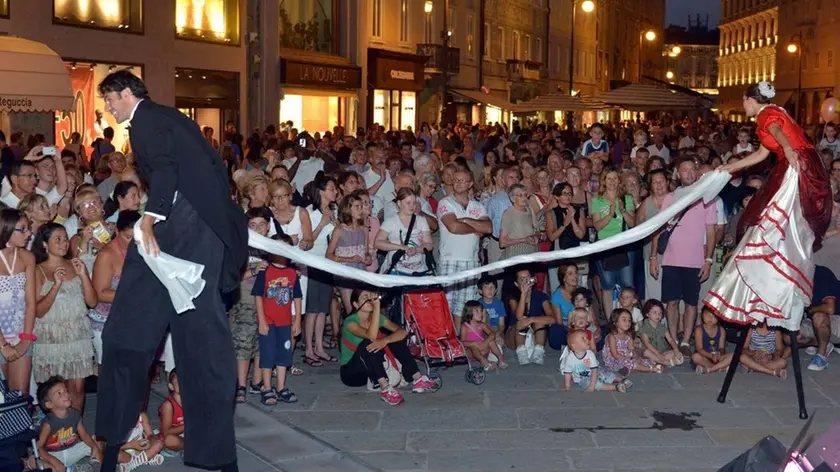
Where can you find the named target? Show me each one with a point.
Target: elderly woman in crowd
(519, 234)
(658, 187)
(37, 211)
(94, 232)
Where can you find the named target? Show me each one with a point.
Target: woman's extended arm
(751, 160)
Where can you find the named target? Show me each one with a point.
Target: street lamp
(796, 47)
(669, 75)
(428, 6)
(675, 51)
(588, 6)
(650, 36)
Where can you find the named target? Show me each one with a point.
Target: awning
(592, 102)
(644, 97)
(481, 97)
(552, 101)
(32, 77)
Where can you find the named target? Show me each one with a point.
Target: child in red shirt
(276, 289)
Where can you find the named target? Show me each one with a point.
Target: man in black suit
(189, 215)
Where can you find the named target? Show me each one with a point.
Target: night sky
(678, 11)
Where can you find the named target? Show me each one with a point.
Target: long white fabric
(770, 276)
(183, 278)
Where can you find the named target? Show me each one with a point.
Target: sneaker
(157, 460)
(372, 386)
(286, 396)
(403, 383)
(423, 384)
(538, 356)
(685, 349)
(621, 387)
(489, 367)
(492, 358)
(812, 350)
(818, 363)
(522, 355)
(391, 397)
(502, 365)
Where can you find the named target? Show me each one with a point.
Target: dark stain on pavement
(661, 421)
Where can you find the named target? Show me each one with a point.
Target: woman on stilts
(770, 274)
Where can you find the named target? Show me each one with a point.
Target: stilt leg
(797, 374)
(733, 366)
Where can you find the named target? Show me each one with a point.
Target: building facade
(695, 66)
(749, 42)
(808, 75)
(191, 54)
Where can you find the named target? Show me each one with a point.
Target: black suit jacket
(173, 156)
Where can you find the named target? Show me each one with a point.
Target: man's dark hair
(44, 390)
(108, 133)
(68, 153)
(18, 166)
(2, 136)
(127, 219)
(121, 80)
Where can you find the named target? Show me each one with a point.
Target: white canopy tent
(644, 97)
(33, 78)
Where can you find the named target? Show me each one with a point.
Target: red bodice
(814, 184)
(794, 134)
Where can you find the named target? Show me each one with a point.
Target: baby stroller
(424, 313)
(432, 337)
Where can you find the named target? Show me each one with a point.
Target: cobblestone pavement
(519, 419)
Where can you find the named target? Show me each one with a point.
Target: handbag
(392, 366)
(15, 416)
(665, 236)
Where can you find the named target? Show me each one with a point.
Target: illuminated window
(377, 19)
(4, 8)
(208, 20)
(404, 21)
(120, 15)
(307, 25)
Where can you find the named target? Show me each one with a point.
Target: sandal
(256, 387)
(295, 371)
(331, 342)
(312, 362)
(328, 358)
(780, 373)
(700, 370)
(268, 397)
(240, 394)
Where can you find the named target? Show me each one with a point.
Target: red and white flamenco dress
(770, 274)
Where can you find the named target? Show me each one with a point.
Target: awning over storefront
(644, 97)
(484, 98)
(592, 102)
(32, 77)
(553, 101)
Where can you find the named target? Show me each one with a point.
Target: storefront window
(4, 8)
(120, 15)
(492, 115)
(307, 25)
(208, 20)
(89, 117)
(209, 97)
(408, 113)
(382, 108)
(322, 112)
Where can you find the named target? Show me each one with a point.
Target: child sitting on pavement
(141, 447)
(172, 417)
(478, 338)
(659, 346)
(63, 440)
(494, 308)
(579, 321)
(579, 364)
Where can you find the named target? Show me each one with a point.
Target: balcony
(518, 71)
(440, 58)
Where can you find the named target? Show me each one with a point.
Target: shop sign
(397, 74)
(318, 75)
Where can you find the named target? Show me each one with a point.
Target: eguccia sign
(15, 103)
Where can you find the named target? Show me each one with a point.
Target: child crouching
(63, 440)
(579, 364)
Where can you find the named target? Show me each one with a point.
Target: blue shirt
(495, 311)
(496, 207)
(588, 148)
(566, 306)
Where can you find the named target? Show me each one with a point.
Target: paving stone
(305, 402)
(332, 420)
(547, 418)
(689, 399)
(713, 382)
(823, 417)
(781, 398)
(576, 398)
(365, 400)
(439, 419)
(642, 438)
(549, 460)
(335, 462)
(496, 440)
(646, 382)
(651, 458)
(748, 437)
(285, 445)
(396, 461)
(369, 441)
